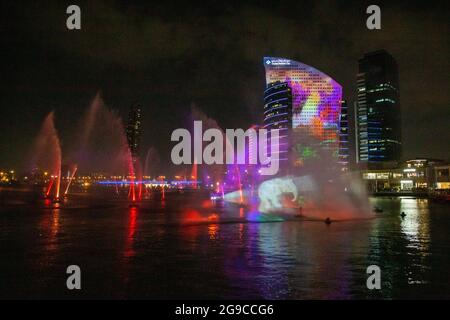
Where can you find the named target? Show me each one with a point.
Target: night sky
(170, 57)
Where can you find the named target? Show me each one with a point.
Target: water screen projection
(316, 105)
(311, 182)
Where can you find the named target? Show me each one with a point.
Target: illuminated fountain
(210, 173)
(58, 185)
(194, 174)
(151, 164)
(103, 148)
(318, 191)
(49, 188)
(47, 154)
(310, 184)
(132, 176)
(99, 147)
(239, 182)
(70, 181)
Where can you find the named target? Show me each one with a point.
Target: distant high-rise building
(377, 109)
(305, 104)
(133, 130)
(344, 153)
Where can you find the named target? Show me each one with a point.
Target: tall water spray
(47, 153)
(103, 146)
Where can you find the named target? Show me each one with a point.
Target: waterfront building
(305, 104)
(377, 110)
(415, 175)
(442, 177)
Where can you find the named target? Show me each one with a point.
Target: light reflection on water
(416, 230)
(415, 225)
(162, 251)
(129, 248)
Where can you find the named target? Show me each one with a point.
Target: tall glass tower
(278, 115)
(133, 130)
(377, 110)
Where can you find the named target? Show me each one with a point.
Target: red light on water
(213, 217)
(206, 204)
(129, 250)
(192, 215)
(213, 231)
(132, 193)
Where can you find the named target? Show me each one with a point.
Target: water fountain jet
(70, 181)
(47, 153)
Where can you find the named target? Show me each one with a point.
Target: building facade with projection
(377, 110)
(306, 103)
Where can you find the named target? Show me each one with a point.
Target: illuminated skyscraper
(133, 130)
(278, 115)
(377, 110)
(312, 123)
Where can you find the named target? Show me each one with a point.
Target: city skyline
(225, 152)
(167, 89)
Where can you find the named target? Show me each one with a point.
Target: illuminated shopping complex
(305, 104)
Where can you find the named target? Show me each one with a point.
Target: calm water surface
(184, 247)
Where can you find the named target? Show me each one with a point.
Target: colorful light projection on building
(316, 107)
